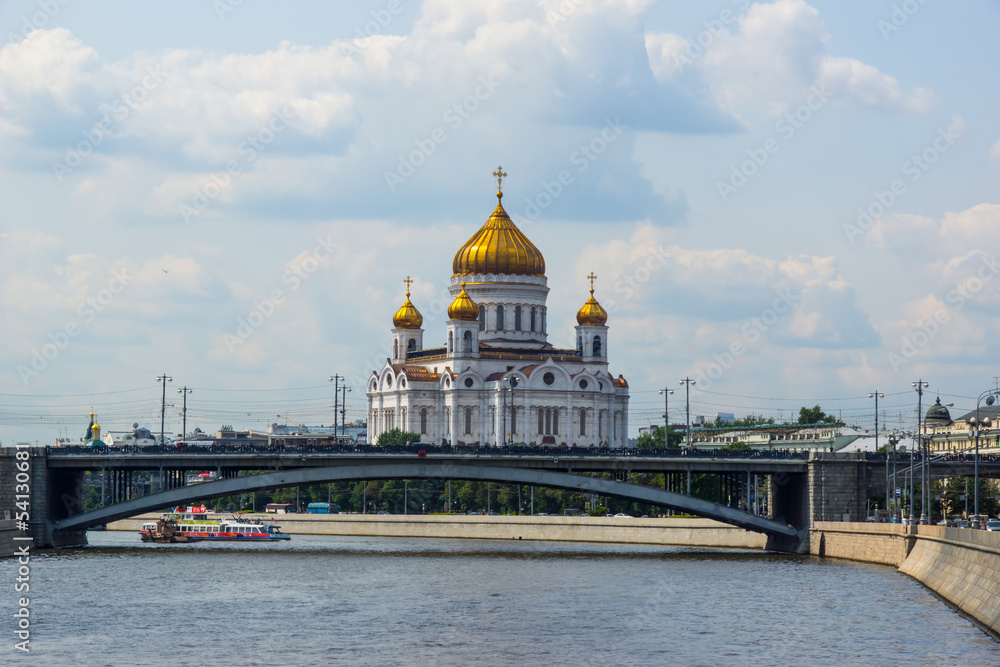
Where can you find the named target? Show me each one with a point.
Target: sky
(792, 203)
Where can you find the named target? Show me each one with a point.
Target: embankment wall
(674, 532)
(959, 564)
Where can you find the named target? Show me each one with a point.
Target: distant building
(794, 437)
(725, 417)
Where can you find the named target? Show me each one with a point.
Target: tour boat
(196, 524)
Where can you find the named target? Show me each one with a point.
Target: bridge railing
(418, 449)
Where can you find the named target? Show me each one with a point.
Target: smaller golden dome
(463, 308)
(408, 317)
(592, 314)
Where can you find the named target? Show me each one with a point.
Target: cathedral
(496, 379)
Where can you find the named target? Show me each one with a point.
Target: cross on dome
(408, 283)
(500, 175)
(592, 279)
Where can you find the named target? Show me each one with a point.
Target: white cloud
(769, 60)
(727, 288)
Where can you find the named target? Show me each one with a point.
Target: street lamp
(666, 416)
(920, 385)
(687, 382)
(894, 440)
(977, 424)
(184, 413)
(335, 379)
(343, 409)
(163, 406)
(876, 395)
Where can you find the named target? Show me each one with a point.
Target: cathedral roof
(415, 373)
(499, 247)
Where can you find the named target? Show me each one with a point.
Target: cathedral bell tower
(407, 335)
(591, 332)
(463, 327)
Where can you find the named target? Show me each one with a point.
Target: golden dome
(592, 314)
(408, 317)
(499, 247)
(463, 308)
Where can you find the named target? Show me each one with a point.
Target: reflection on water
(370, 601)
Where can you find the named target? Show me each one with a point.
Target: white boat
(196, 524)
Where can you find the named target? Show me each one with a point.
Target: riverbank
(667, 532)
(960, 565)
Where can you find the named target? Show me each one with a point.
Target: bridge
(802, 487)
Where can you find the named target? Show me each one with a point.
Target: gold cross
(592, 279)
(408, 282)
(500, 175)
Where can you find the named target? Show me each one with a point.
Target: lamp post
(163, 406)
(687, 382)
(877, 396)
(343, 409)
(666, 416)
(335, 379)
(920, 385)
(977, 424)
(184, 412)
(893, 440)
(503, 415)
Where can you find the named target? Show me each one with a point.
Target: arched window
(548, 421)
(411, 345)
(532, 318)
(451, 340)
(423, 421)
(579, 343)
(500, 326)
(513, 420)
(597, 346)
(468, 421)
(482, 318)
(517, 318)
(555, 421)
(600, 425)
(467, 338)
(395, 349)
(541, 421)
(543, 320)
(583, 421)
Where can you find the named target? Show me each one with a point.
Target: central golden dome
(499, 247)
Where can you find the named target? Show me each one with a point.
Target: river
(320, 600)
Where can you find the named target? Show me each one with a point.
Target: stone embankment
(673, 532)
(7, 533)
(959, 564)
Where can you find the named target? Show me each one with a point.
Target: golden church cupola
(408, 317)
(463, 308)
(591, 313)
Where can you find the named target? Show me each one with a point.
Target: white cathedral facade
(496, 379)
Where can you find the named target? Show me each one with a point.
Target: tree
(397, 437)
(753, 420)
(654, 440)
(815, 415)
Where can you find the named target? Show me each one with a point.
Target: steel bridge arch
(423, 469)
